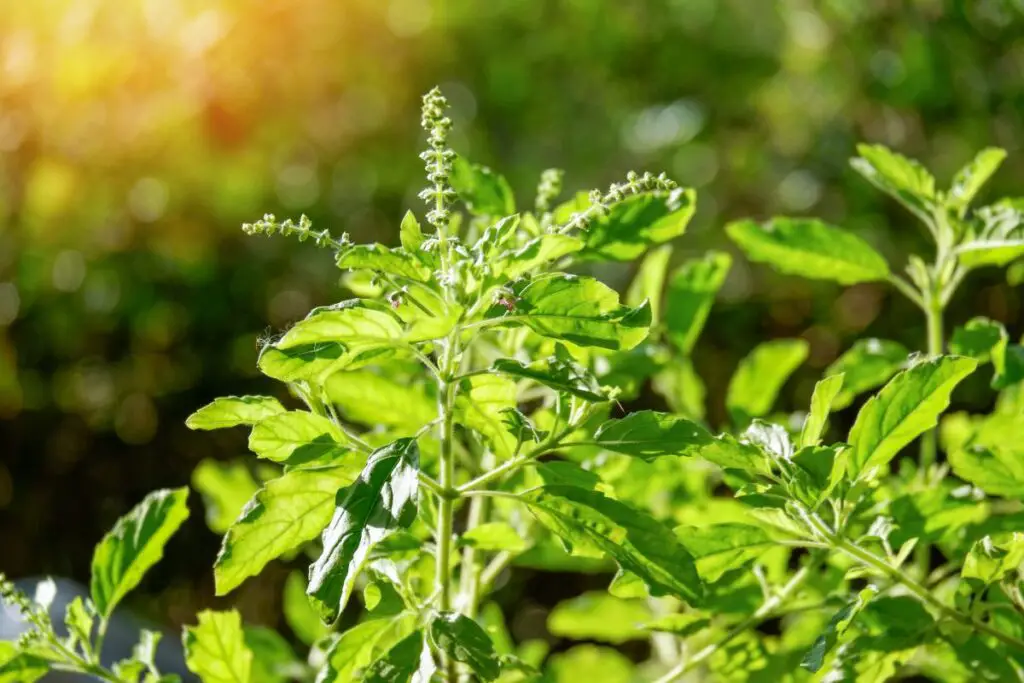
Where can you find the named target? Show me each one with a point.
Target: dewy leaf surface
(380, 501)
(760, 376)
(577, 309)
(134, 545)
(811, 249)
(908, 406)
(462, 639)
(215, 649)
(636, 541)
(231, 411)
(691, 293)
(286, 513)
(648, 434)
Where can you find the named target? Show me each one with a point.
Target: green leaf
(299, 612)
(559, 373)
(134, 545)
(296, 437)
(982, 339)
(380, 501)
(399, 663)
(632, 225)
(720, 548)
(231, 411)
(215, 649)
(995, 470)
(639, 543)
(283, 515)
(379, 258)
(79, 618)
(649, 281)
(273, 657)
(20, 667)
(494, 536)
(357, 648)
(904, 179)
(691, 293)
(834, 630)
(481, 405)
(648, 434)
(908, 406)
(225, 488)
(973, 176)
(484, 192)
(999, 240)
(540, 251)
(463, 640)
(371, 398)
(599, 616)
(994, 557)
(410, 233)
(590, 663)
(869, 363)
(760, 376)
(810, 248)
(825, 392)
(576, 309)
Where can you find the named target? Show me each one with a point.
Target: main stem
(446, 400)
(933, 316)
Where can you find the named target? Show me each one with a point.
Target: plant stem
(445, 521)
(933, 316)
(764, 612)
(515, 463)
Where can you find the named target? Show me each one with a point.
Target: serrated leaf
(691, 293)
(973, 176)
(484, 192)
(355, 650)
(632, 225)
(720, 548)
(480, 405)
(869, 363)
(134, 545)
(993, 557)
(296, 438)
(463, 640)
(837, 625)
(649, 281)
(825, 392)
(225, 488)
(810, 248)
(380, 501)
(908, 406)
(904, 179)
(999, 240)
(382, 259)
(410, 233)
(215, 649)
(759, 377)
(560, 374)
(648, 434)
(299, 612)
(576, 309)
(284, 514)
(78, 618)
(399, 663)
(599, 616)
(494, 536)
(635, 540)
(231, 411)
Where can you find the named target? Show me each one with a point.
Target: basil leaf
(648, 434)
(869, 363)
(632, 225)
(296, 437)
(463, 640)
(231, 411)
(760, 376)
(904, 179)
(649, 281)
(484, 192)
(825, 392)
(973, 176)
(599, 616)
(691, 293)
(215, 649)
(399, 663)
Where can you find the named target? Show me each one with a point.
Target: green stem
(470, 588)
(933, 316)
(515, 463)
(764, 612)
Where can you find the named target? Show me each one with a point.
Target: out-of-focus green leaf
(691, 293)
(231, 411)
(908, 406)
(373, 398)
(283, 515)
(299, 612)
(20, 667)
(480, 405)
(272, 656)
(134, 545)
(992, 558)
(973, 176)
(649, 281)
(484, 192)
(811, 249)
(760, 376)
(682, 388)
(380, 501)
(590, 663)
(494, 536)
(837, 625)
(225, 488)
(599, 616)
(999, 240)
(825, 392)
(215, 649)
(904, 179)
(410, 233)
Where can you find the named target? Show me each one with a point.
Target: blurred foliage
(136, 136)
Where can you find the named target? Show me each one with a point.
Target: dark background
(136, 136)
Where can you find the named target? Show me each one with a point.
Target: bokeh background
(135, 137)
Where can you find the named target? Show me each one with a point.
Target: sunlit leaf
(215, 649)
(760, 376)
(231, 411)
(691, 293)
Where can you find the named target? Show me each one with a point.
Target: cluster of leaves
(461, 418)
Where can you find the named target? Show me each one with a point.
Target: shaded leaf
(649, 281)
(484, 192)
(599, 616)
(462, 639)
(225, 488)
(399, 663)
(720, 548)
